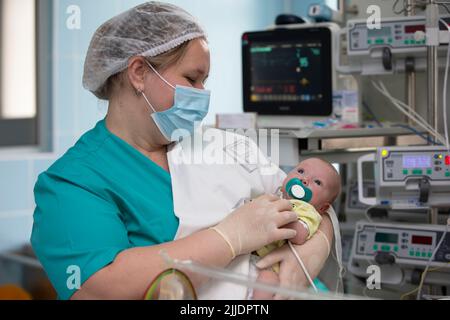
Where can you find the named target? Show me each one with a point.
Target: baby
(311, 187)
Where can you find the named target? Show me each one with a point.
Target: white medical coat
(206, 190)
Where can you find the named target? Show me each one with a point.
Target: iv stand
(432, 14)
(410, 69)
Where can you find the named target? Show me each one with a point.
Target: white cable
(299, 260)
(414, 115)
(431, 259)
(398, 104)
(438, 137)
(303, 266)
(408, 108)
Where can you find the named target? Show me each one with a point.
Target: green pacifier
(297, 190)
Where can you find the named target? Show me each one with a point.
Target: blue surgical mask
(297, 190)
(190, 107)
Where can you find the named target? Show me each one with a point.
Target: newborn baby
(311, 187)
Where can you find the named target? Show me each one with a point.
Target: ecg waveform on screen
(286, 60)
(286, 73)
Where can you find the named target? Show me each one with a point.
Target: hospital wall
(74, 110)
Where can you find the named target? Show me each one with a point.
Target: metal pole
(432, 13)
(433, 66)
(411, 74)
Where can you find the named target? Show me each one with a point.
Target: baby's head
(319, 176)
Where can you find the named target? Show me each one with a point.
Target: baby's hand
(302, 232)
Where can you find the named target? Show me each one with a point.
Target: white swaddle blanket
(205, 191)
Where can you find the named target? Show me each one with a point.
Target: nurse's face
(191, 70)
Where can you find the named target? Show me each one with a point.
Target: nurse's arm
(314, 253)
(131, 273)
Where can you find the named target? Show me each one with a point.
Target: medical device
(171, 284)
(396, 45)
(405, 178)
(401, 252)
(288, 70)
(411, 245)
(408, 177)
(352, 203)
(180, 267)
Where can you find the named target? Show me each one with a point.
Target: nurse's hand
(313, 253)
(257, 224)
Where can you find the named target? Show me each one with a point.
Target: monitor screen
(288, 71)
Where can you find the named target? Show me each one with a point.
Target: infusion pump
(402, 244)
(408, 177)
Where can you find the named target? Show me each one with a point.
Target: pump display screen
(416, 161)
(414, 29)
(386, 237)
(422, 240)
(383, 32)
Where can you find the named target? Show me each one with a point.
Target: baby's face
(318, 176)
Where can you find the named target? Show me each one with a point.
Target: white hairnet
(147, 30)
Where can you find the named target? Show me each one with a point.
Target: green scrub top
(100, 198)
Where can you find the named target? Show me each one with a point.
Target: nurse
(105, 208)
